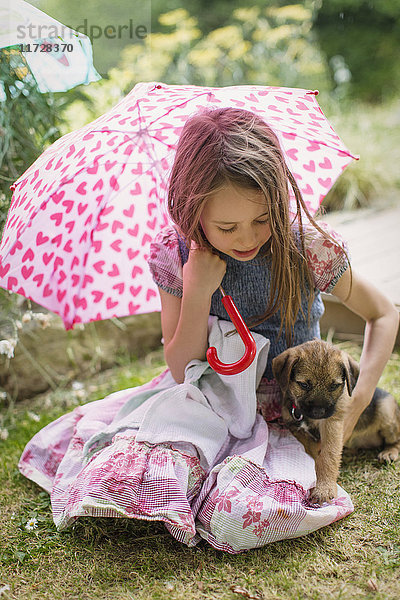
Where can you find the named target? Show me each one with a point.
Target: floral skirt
(255, 492)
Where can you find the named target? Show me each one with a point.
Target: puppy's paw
(389, 454)
(324, 492)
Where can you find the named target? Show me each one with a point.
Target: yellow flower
(249, 15)
(277, 34)
(173, 17)
(225, 36)
(239, 50)
(203, 57)
(262, 31)
(21, 72)
(292, 12)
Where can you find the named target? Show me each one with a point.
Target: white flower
(31, 524)
(33, 416)
(78, 390)
(44, 319)
(77, 385)
(169, 585)
(3, 433)
(4, 589)
(7, 347)
(26, 317)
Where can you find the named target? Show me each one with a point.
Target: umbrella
(58, 57)
(82, 216)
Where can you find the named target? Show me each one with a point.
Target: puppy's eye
(305, 385)
(334, 386)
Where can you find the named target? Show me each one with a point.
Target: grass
(101, 559)
(372, 133)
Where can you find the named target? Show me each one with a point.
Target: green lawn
(96, 559)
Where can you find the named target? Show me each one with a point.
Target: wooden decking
(373, 236)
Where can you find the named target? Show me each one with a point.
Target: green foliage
(272, 46)
(366, 34)
(372, 132)
(100, 13)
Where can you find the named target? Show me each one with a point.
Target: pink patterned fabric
(165, 262)
(82, 216)
(325, 259)
(268, 403)
(254, 494)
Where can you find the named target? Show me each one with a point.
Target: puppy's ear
(282, 366)
(350, 371)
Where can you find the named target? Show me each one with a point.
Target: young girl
(166, 452)
(229, 198)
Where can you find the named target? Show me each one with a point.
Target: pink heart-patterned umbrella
(82, 216)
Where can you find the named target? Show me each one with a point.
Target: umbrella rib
(178, 106)
(343, 150)
(131, 140)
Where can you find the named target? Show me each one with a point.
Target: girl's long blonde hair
(230, 145)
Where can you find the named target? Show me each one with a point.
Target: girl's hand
(203, 272)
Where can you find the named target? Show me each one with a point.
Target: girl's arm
(382, 322)
(184, 321)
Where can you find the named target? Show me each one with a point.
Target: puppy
(316, 382)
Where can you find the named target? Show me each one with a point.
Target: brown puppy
(316, 381)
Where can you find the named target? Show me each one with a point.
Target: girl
(163, 451)
(229, 198)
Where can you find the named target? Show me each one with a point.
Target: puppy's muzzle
(316, 410)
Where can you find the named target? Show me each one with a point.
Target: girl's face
(234, 220)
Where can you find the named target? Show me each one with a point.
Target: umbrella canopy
(58, 57)
(82, 216)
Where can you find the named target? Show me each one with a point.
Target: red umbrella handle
(247, 338)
